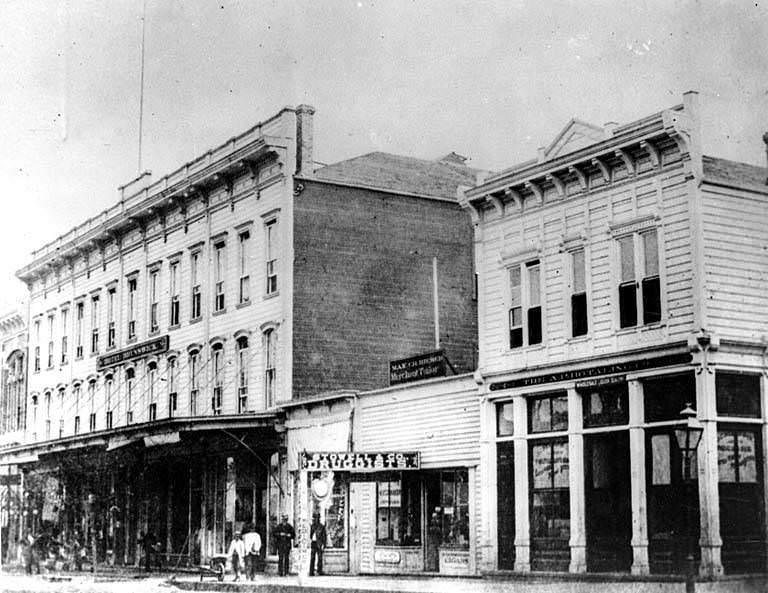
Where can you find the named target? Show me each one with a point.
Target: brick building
(169, 330)
(623, 276)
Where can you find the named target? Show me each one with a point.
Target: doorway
(505, 504)
(608, 502)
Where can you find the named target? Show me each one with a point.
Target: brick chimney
(304, 139)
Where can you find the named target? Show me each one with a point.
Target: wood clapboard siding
(440, 420)
(664, 194)
(736, 262)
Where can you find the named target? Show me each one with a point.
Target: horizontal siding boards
(736, 262)
(443, 426)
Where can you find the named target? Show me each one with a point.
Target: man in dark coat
(148, 543)
(285, 535)
(317, 536)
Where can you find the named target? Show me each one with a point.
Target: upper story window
(108, 384)
(79, 318)
(217, 353)
(219, 271)
(37, 345)
(244, 266)
(639, 283)
(76, 396)
(242, 375)
(194, 274)
(111, 294)
(50, 341)
(64, 345)
(154, 320)
(132, 304)
(270, 372)
(173, 281)
(579, 315)
(152, 389)
(173, 380)
(525, 327)
(94, 324)
(130, 377)
(271, 255)
(194, 369)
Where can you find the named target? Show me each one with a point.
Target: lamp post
(688, 436)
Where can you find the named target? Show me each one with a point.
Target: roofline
(375, 188)
(758, 189)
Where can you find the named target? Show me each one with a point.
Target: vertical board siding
(736, 262)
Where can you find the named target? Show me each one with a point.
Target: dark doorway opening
(505, 497)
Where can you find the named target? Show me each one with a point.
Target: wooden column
(707, 465)
(637, 479)
(578, 540)
(522, 514)
(487, 518)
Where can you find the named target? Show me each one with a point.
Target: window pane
(560, 467)
(541, 419)
(516, 317)
(514, 287)
(628, 305)
(541, 465)
(560, 413)
(664, 397)
(534, 281)
(651, 300)
(747, 457)
(726, 456)
(606, 406)
(534, 325)
(660, 459)
(579, 274)
(651, 252)
(737, 394)
(504, 419)
(600, 464)
(579, 323)
(627, 258)
(516, 337)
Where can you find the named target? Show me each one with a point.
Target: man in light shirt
(237, 553)
(252, 543)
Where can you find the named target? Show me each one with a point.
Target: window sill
(579, 339)
(640, 328)
(94, 353)
(196, 320)
(243, 305)
(271, 295)
(174, 326)
(219, 312)
(110, 348)
(521, 349)
(131, 340)
(153, 333)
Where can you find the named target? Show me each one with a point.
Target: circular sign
(319, 488)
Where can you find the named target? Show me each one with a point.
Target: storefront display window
(550, 508)
(548, 414)
(736, 456)
(398, 511)
(328, 492)
(606, 406)
(454, 505)
(738, 394)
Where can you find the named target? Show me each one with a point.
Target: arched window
(172, 380)
(14, 392)
(242, 374)
(270, 371)
(194, 369)
(92, 405)
(61, 411)
(108, 386)
(151, 390)
(217, 354)
(47, 399)
(130, 377)
(76, 396)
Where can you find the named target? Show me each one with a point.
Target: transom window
(737, 394)
(504, 419)
(548, 413)
(605, 406)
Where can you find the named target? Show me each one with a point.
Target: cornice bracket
(559, 185)
(653, 153)
(515, 196)
(604, 170)
(580, 176)
(627, 159)
(497, 203)
(537, 191)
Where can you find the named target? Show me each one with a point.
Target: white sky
(492, 80)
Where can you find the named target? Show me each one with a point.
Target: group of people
(245, 548)
(51, 551)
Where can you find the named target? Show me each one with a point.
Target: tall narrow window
(154, 321)
(173, 279)
(579, 321)
(37, 345)
(219, 269)
(270, 373)
(50, 341)
(130, 376)
(194, 369)
(61, 412)
(92, 405)
(271, 256)
(627, 283)
(132, 287)
(47, 400)
(651, 285)
(194, 271)
(79, 319)
(534, 302)
(173, 369)
(515, 308)
(94, 324)
(111, 292)
(108, 384)
(244, 255)
(242, 375)
(64, 345)
(152, 390)
(218, 377)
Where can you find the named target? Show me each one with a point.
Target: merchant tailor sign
(359, 462)
(156, 346)
(424, 366)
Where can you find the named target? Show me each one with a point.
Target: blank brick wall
(363, 285)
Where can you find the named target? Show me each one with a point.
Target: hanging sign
(156, 346)
(423, 366)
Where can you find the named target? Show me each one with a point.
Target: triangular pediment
(575, 135)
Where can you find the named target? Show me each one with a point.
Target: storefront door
(607, 498)
(505, 504)
(673, 504)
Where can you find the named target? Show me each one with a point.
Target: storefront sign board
(416, 368)
(155, 346)
(359, 462)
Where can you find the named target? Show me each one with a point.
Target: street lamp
(688, 436)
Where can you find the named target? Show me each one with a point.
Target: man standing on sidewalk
(317, 536)
(252, 541)
(285, 536)
(237, 553)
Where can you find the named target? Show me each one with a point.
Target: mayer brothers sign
(156, 346)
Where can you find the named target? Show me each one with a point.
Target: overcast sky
(490, 80)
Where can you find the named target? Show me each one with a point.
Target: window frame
(174, 310)
(531, 307)
(245, 243)
(95, 302)
(195, 285)
(132, 288)
(271, 256)
(578, 330)
(269, 346)
(153, 300)
(219, 275)
(242, 349)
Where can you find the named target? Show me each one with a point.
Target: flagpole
(141, 83)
